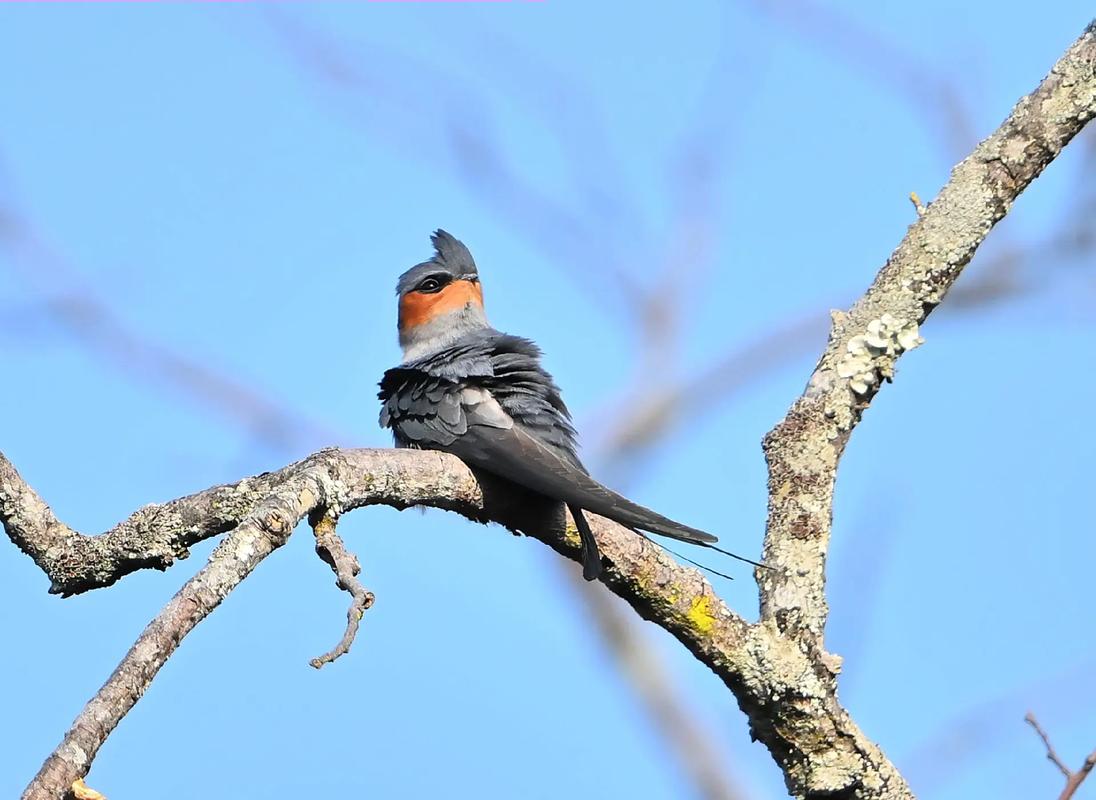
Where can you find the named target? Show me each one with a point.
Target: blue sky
(242, 184)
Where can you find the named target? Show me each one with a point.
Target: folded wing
(519, 457)
(437, 414)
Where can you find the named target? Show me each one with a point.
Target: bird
(470, 390)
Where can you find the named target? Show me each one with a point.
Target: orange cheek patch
(418, 309)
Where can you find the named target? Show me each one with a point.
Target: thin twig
(1073, 779)
(1052, 756)
(917, 204)
(950, 747)
(331, 548)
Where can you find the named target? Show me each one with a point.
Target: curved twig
(1073, 779)
(331, 548)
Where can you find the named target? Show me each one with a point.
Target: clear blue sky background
(197, 170)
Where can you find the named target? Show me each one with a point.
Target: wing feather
(517, 456)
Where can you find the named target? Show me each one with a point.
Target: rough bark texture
(778, 668)
(822, 752)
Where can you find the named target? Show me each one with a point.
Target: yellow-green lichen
(570, 534)
(700, 614)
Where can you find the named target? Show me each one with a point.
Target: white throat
(441, 332)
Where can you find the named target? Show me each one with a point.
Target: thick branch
(157, 535)
(865, 343)
(820, 749)
(271, 505)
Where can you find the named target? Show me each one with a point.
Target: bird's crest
(451, 252)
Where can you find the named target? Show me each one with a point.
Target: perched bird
(482, 395)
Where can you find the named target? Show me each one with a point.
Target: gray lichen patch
(869, 357)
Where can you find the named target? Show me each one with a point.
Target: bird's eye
(429, 286)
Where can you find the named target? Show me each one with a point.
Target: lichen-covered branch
(865, 343)
(156, 535)
(777, 668)
(262, 511)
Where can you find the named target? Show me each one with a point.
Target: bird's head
(440, 299)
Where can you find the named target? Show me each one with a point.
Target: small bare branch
(1052, 756)
(1073, 779)
(917, 204)
(331, 548)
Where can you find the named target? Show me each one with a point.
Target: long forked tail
(607, 503)
(634, 515)
(514, 454)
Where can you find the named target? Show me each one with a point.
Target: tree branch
(1073, 779)
(332, 549)
(1052, 755)
(803, 450)
(155, 536)
(865, 343)
(263, 510)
